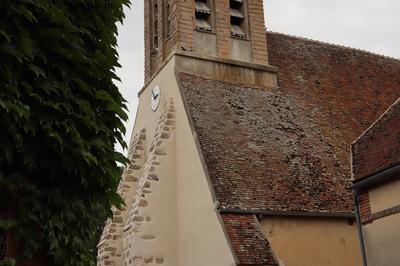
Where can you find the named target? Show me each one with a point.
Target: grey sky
(366, 24)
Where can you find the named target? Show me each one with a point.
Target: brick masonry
(166, 40)
(365, 210)
(382, 214)
(183, 27)
(365, 207)
(378, 148)
(247, 240)
(257, 32)
(223, 29)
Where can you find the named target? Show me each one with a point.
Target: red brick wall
(147, 40)
(166, 42)
(223, 27)
(379, 148)
(183, 26)
(257, 31)
(185, 21)
(247, 240)
(365, 207)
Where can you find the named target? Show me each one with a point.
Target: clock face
(155, 97)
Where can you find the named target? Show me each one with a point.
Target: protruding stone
(135, 167)
(165, 135)
(159, 260)
(117, 219)
(148, 237)
(143, 203)
(138, 218)
(148, 260)
(131, 178)
(153, 177)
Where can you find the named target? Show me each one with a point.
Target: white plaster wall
(199, 235)
(307, 241)
(382, 241)
(241, 49)
(385, 197)
(201, 240)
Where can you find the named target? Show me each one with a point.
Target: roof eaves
(287, 213)
(377, 121)
(334, 45)
(377, 178)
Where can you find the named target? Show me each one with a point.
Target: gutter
(360, 231)
(377, 178)
(348, 215)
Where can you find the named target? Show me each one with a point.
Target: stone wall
(131, 236)
(110, 249)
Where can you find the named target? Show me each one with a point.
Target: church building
(240, 153)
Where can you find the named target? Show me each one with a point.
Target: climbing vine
(60, 117)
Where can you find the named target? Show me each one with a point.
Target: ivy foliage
(60, 117)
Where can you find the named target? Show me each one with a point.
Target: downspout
(358, 221)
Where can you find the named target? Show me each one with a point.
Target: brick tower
(226, 31)
(170, 217)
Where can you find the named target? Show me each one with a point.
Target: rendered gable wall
(312, 241)
(175, 223)
(381, 234)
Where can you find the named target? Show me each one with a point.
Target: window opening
(237, 19)
(155, 27)
(203, 15)
(168, 18)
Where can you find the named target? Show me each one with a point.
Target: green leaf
(60, 115)
(7, 262)
(27, 14)
(38, 72)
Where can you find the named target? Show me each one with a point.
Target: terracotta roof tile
(248, 242)
(288, 149)
(378, 148)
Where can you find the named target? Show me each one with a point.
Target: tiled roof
(248, 242)
(287, 149)
(378, 148)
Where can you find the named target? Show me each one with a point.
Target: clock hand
(152, 93)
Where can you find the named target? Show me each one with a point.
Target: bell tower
(225, 31)
(171, 214)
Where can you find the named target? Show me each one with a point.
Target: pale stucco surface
(192, 233)
(240, 49)
(301, 241)
(381, 238)
(205, 43)
(385, 196)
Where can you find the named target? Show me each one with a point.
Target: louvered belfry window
(168, 17)
(155, 26)
(237, 18)
(203, 15)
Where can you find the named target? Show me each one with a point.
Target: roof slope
(248, 242)
(288, 149)
(379, 147)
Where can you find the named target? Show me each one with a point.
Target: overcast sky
(366, 24)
